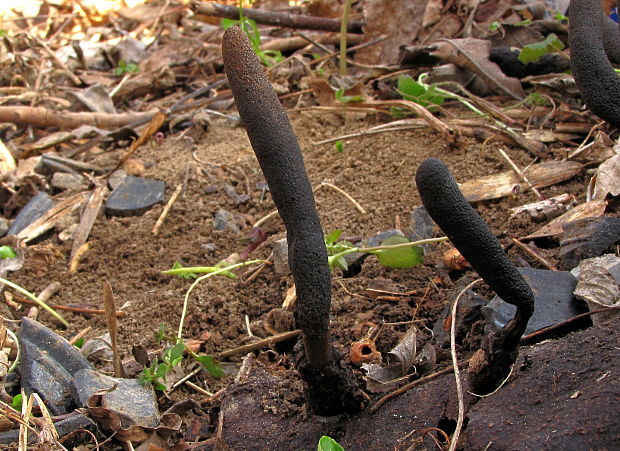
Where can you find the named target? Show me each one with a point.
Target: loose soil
(377, 171)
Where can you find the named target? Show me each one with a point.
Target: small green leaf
(332, 237)
(7, 252)
(328, 444)
(158, 386)
(79, 343)
(417, 92)
(533, 52)
(339, 146)
(227, 23)
(210, 365)
(184, 275)
(16, 403)
(341, 98)
(402, 257)
(177, 351)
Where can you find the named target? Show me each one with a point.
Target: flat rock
(126, 396)
(225, 220)
(48, 365)
(586, 238)
(33, 210)
(134, 196)
(68, 181)
(554, 301)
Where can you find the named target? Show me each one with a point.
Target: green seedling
(16, 402)
(339, 146)
(126, 68)
(157, 372)
(394, 252)
(79, 343)
(328, 444)
(191, 272)
(418, 92)
(267, 57)
(7, 252)
(494, 26)
(559, 17)
(533, 52)
(536, 99)
(341, 98)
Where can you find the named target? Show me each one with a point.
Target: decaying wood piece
(89, 215)
(277, 19)
(52, 217)
(43, 117)
(591, 209)
(504, 184)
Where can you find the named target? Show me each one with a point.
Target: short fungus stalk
(472, 237)
(588, 39)
(331, 388)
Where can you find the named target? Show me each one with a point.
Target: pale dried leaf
(594, 208)
(608, 178)
(502, 184)
(473, 55)
(597, 287)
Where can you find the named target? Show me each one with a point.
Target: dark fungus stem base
(280, 159)
(588, 39)
(475, 241)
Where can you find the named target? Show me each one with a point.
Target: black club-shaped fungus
(331, 387)
(472, 237)
(588, 37)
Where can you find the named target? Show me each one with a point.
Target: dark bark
(277, 19)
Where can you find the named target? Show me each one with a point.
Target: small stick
(198, 389)
(108, 302)
(455, 365)
(344, 193)
(80, 335)
(519, 173)
(553, 327)
(265, 218)
(167, 208)
(263, 343)
(67, 308)
(76, 81)
(413, 384)
(539, 258)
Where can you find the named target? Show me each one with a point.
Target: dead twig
(278, 19)
(455, 366)
(539, 258)
(167, 208)
(263, 343)
(519, 173)
(356, 204)
(67, 308)
(410, 385)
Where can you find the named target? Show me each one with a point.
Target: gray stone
(33, 210)
(4, 226)
(586, 238)
(126, 396)
(421, 227)
(225, 220)
(134, 196)
(554, 301)
(381, 236)
(48, 365)
(68, 181)
(280, 257)
(116, 178)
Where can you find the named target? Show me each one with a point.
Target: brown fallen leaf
(473, 54)
(594, 208)
(608, 178)
(502, 184)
